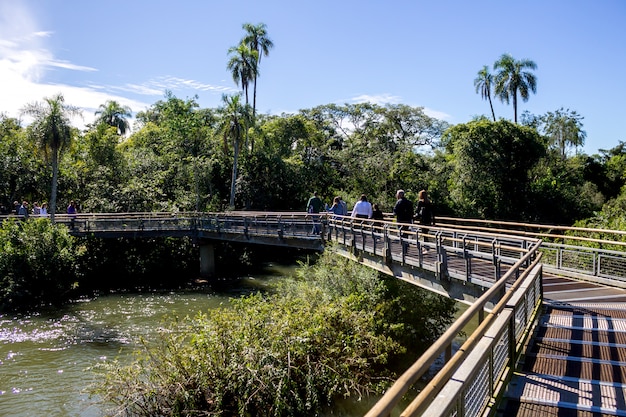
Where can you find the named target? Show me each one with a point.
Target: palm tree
(257, 40)
(242, 65)
(513, 78)
(233, 124)
(51, 128)
(114, 114)
(483, 83)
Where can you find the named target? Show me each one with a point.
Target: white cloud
(24, 61)
(171, 83)
(382, 99)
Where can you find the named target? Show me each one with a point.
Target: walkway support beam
(207, 260)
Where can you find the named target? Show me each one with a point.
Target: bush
(322, 336)
(38, 263)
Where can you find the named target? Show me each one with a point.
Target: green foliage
(326, 336)
(38, 263)
(560, 185)
(147, 263)
(504, 154)
(564, 129)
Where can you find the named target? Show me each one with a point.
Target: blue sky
(418, 53)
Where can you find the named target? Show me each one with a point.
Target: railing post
(387, 245)
(496, 260)
(466, 257)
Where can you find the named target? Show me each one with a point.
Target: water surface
(45, 357)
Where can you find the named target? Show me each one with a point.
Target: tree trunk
(55, 177)
(234, 177)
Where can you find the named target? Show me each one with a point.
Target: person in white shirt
(362, 209)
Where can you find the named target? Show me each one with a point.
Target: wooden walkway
(576, 362)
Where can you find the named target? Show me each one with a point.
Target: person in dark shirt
(424, 212)
(377, 214)
(403, 208)
(314, 205)
(71, 209)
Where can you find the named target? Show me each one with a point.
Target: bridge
(551, 338)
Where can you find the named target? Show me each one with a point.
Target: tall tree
(114, 114)
(564, 128)
(504, 154)
(233, 124)
(512, 78)
(243, 66)
(52, 130)
(257, 40)
(484, 83)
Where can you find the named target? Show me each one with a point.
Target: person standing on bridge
(403, 211)
(424, 212)
(377, 214)
(362, 209)
(314, 206)
(337, 207)
(403, 208)
(71, 209)
(344, 205)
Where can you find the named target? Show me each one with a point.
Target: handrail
(479, 382)
(509, 228)
(394, 394)
(421, 402)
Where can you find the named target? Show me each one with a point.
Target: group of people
(424, 212)
(24, 210)
(363, 209)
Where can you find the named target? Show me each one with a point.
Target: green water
(45, 358)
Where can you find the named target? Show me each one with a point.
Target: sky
(414, 52)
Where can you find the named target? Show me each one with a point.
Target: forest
(179, 157)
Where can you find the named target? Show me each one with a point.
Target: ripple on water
(45, 359)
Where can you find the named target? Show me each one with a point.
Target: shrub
(320, 337)
(37, 263)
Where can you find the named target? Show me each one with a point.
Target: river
(45, 358)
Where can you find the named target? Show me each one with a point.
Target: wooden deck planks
(576, 363)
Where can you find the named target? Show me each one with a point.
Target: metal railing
(507, 261)
(595, 255)
(476, 257)
(472, 378)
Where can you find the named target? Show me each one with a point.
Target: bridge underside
(430, 280)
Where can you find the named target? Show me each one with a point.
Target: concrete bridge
(551, 338)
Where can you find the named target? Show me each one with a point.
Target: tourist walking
(314, 206)
(337, 207)
(71, 209)
(23, 209)
(377, 214)
(424, 212)
(403, 208)
(362, 209)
